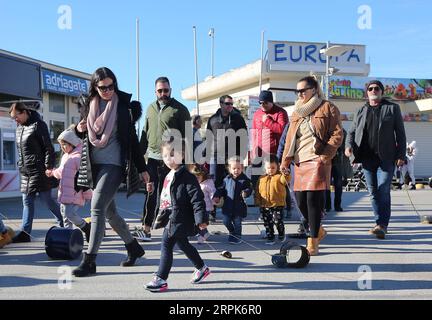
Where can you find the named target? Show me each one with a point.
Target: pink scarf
(101, 123)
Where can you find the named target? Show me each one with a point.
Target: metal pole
(137, 68)
(262, 58)
(327, 71)
(212, 35)
(196, 69)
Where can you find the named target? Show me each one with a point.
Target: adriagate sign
(306, 57)
(63, 84)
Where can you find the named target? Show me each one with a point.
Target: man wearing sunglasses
(377, 140)
(163, 115)
(226, 117)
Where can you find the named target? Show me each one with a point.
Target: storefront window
(8, 155)
(56, 127)
(56, 103)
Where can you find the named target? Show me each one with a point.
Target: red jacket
(266, 135)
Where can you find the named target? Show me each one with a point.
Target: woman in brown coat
(314, 135)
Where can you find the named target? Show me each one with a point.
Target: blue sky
(399, 44)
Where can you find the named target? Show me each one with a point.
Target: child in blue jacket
(235, 188)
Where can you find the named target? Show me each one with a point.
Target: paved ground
(401, 265)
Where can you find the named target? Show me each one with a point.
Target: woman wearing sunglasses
(111, 151)
(313, 137)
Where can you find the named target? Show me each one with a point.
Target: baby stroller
(358, 181)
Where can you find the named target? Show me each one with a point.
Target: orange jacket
(327, 126)
(271, 191)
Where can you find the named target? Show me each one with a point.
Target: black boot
(135, 251)
(86, 230)
(21, 237)
(87, 266)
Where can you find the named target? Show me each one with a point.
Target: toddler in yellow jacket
(270, 196)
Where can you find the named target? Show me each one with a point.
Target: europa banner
(394, 88)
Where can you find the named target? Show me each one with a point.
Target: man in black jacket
(226, 124)
(377, 140)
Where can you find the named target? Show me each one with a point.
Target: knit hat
(378, 83)
(70, 137)
(266, 96)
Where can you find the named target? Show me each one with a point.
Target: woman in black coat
(110, 155)
(35, 156)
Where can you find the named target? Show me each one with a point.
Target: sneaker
(338, 209)
(234, 239)
(22, 237)
(379, 231)
(270, 241)
(200, 275)
(157, 285)
(142, 235)
(135, 230)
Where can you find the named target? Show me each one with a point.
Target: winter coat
(131, 156)
(231, 190)
(326, 124)
(271, 191)
(173, 116)
(208, 188)
(35, 155)
(235, 122)
(266, 135)
(66, 173)
(187, 203)
(391, 133)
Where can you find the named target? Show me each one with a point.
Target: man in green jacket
(163, 115)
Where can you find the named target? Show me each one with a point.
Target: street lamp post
(332, 51)
(212, 34)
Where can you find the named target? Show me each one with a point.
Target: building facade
(57, 88)
(346, 74)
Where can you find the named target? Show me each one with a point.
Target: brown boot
(321, 234)
(312, 246)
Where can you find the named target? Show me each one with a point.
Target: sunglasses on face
(163, 90)
(106, 88)
(370, 89)
(301, 91)
(228, 103)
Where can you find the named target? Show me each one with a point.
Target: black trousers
(270, 217)
(311, 205)
(157, 171)
(336, 175)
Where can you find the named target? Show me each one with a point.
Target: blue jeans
(379, 175)
(29, 208)
(233, 224)
(167, 247)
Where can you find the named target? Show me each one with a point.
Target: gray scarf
(303, 110)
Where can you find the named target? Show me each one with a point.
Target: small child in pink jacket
(208, 188)
(70, 200)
